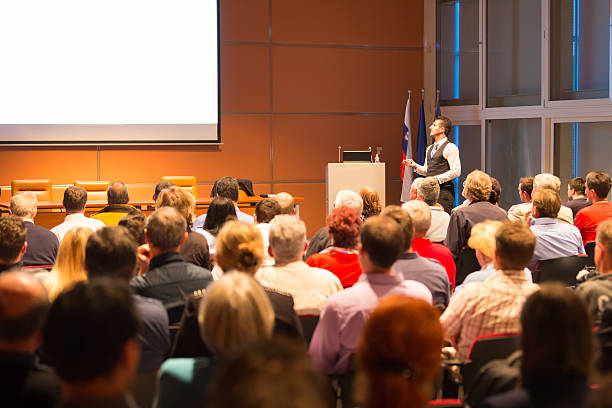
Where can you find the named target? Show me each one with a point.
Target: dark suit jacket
(42, 246)
(577, 204)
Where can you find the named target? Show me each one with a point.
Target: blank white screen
(145, 62)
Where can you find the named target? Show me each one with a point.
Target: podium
(353, 176)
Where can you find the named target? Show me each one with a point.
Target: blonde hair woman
(70, 263)
(239, 247)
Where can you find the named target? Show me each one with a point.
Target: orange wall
(297, 80)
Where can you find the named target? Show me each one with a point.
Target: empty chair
(188, 183)
(42, 188)
(562, 270)
(96, 190)
(589, 248)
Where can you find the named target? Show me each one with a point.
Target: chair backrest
(42, 188)
(96, 190)
(466, 264)
(188, 183)
(309, 323)
(589, 248)
(487, 348)
(562, 270)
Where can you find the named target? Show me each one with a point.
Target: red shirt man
(597, 188)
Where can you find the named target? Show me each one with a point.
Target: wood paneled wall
(298, 79)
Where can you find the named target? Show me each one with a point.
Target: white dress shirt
(76, 220)
(451, 154)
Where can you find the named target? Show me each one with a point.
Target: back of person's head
(12, 238)
(495, 191)
(445, 124)
(349, 198)
(287, 238)
(70, 262)
(526, 185)
(482, 237)
(286, 202)
(548, 203)
(403, 218)
(343, 225)
(239, 246)
(117, 193)
(162, 185)
(277, 373)
(111, 252)
(87, 329)
(371, 201)
(266, 210)
(416, 185)
(604, 242)
(135, 224)
(181, 200)
(24, 205)
(556, 338)
(75, 198)
(400, 352)
(514, 245)
(234, 312)
(382, 239)
(546, 180)
(23, 307)
(599, 182)
(577, 184)
(228, 187)
(166, 229)
(429, 189)
(420, 213)
(478, 185)
(221, 209)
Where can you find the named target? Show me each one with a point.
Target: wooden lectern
(353, 176)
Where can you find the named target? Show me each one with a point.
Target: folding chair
(562, 270)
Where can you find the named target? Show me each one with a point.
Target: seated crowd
(378, 309)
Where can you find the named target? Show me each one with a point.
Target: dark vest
(437, 164)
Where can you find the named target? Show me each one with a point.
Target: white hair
(24, 204)
(546, 180)
(349, 198)
(420, 213)
(416, 183)
(287, 237)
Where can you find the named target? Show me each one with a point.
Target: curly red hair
(343, 226)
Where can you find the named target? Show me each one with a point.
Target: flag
(421, 136)
(407, 172)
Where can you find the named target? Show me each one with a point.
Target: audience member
(597, 189)
(135, 224)
(75, 198)
(412, 266)
(338, 332)
(576, 195)
(195, 249)
(220, 210)
(111, 253)
(551, 182)
(493, 306)
(70, 264)
(558, 352)
(477, 187)
(495, 192)
(517, 211)
(371, 202)
(286, 202)
(414, 188)
(429, 191)
(400, 353)
(554, 239)
(13, 243)
(265, 211)
(170, 279)
(23, 307)
(118, 207)
(421, 216)
(234, 313)
(597, 291)
(321, 238)
(276, 373)
(42, 243)
(310, 287)
(90, 338)
(227, 187)
(341, 258)
(482, 241)
(162, 185)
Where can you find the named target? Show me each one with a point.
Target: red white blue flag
(407, 172)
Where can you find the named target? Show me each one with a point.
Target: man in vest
(441, 161)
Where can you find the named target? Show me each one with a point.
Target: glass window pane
(513, 150)
(579, 49)
(513, 53)
(467, 139)
(581, 147)
(457, 52)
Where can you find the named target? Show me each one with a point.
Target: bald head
(286, 203)
(23, 307)
(117, 193)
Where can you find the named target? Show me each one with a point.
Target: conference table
(52, 213)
